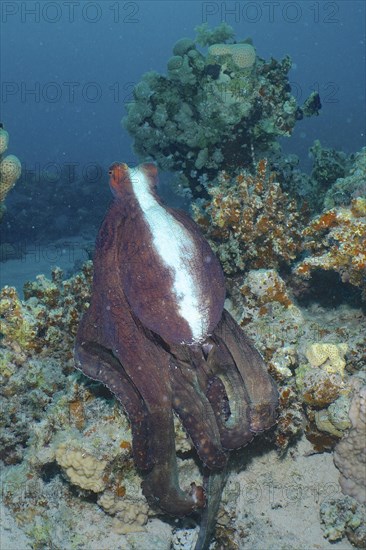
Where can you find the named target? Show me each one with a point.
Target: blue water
(67, 69)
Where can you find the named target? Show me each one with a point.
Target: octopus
(157, 335)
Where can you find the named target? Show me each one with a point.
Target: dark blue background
(106, 46)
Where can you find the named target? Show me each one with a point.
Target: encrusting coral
(321, 381)
(250, 222)
(130, 515)
(81, 468)
(336, 241)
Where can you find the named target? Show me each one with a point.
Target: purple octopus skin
(157, 335)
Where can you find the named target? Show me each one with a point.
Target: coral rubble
(344, 516)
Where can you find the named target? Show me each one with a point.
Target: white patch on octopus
(176, 249)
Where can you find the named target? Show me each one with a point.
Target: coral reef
(42, 326)
(83, 469)
(250, 222)
(69, 478)
(350, 452)
(328, 166)
(215, 111)
(336, 241)
(130, 515)
(305, 350)
(10, 169)
(40, 387)
(320, 382)
(49, 316)
(344, 516)
(351, 185)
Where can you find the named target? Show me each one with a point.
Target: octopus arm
(196, 414)
(99, 364)
(260, 388)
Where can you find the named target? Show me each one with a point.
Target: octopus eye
(110, 171)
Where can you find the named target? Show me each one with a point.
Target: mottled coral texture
(250, 222)
(10, 167)
(352, 185)
(213, 109)
(350, 453)
(49, 315)
(336, 241)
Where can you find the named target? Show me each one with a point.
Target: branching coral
(250, 221)
(336, 240)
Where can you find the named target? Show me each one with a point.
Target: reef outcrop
(214, 110)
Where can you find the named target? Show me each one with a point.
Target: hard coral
(10, 167)
(344, 516)
(250, 221)
(330, 357)
(350, 453)
(321, 382)
(49, 315)
(241, 55)
(131, 515)
(211, 111)
(352, 185)
(336, 240)
(83, 469)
